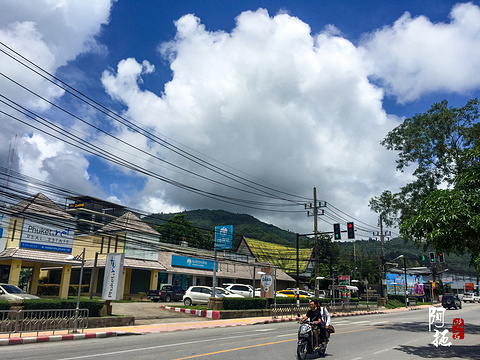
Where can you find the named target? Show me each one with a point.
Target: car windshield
(12, 289)
(221, 291)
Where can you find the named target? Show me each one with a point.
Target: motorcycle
(305, 343)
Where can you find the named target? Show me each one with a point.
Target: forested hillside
(250, 227)
(243, 225)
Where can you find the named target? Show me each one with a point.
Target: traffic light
(336, 232)
(432, 257)
(350, 230)
(423, 258)
(440, 257)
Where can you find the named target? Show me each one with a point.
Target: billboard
(46, 236)
(4, 223)
(396, 284)
(223, 237)
(112, 279)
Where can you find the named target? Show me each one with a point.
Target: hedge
(5, 305)
(54, 289)
(244, 303)
(94, 306)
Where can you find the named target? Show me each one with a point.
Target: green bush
(94, 306)
(394, 303)
(244, 303)
(54, 289)
(5, 305)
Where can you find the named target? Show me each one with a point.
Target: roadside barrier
(291, 310)
(22, 321)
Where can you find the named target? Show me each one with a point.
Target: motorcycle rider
(314, 315)
(324, 319)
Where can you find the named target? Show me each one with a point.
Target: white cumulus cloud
(415, 56)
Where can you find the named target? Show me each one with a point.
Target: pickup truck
(167, 293)
(470, 297)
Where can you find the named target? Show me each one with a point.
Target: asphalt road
(401, 335)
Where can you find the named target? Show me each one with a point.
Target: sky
(244, 106)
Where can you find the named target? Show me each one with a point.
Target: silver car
(12, 292)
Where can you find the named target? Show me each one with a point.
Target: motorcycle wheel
(322, 350)
(302, 349)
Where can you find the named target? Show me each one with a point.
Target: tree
(441, 207)
(178, 229)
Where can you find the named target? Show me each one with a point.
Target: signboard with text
(112, 280)
(223, 237)
(4, 223)
(191, 262)
(46, 236)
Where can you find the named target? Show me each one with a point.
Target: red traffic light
(350, 230)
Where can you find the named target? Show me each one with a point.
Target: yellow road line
(266, 344)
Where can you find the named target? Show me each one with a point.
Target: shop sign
(112, 280)
(190, 262)
(46, 236)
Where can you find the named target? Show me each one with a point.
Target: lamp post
(366, 287)
(405, 274)
(77, 307)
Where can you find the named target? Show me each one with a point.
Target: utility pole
(316, 212)
(315, 238)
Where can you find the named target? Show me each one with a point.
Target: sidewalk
(194, 324)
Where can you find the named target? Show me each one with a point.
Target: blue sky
(283, 95)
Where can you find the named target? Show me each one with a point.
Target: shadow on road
(432, 352)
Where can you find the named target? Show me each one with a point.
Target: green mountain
(245, 225)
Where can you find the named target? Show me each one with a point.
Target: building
(95, 228)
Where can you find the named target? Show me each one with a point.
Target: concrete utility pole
(315, 239)
(384, 275)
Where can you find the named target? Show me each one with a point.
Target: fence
(22, 321)
(281, 310)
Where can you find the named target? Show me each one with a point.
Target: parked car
(12, 292)
(471, 297)
(240, 289)
(167, 293)
(451, 301)
(293, 294)
(201, 294)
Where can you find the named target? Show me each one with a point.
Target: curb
(48, 338)
(212, 314)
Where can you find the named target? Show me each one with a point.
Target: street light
(77, 307)
(366, 287)
(405, 273)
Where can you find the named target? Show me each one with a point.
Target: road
(401, 335)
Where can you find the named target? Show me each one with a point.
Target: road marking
(189, 343)
(263, 330)
(378, 352)
(236, 349)
(361, 322)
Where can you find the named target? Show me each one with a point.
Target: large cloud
(292, 109)
(48, 33)
(416, 56)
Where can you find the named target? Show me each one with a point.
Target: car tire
(168, 298)
(187, 302)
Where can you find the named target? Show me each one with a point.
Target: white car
(240, 289)
(470, 297)
(12, 292)
(201, 294)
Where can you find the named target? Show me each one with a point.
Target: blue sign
(190, 262)
(223, 237)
